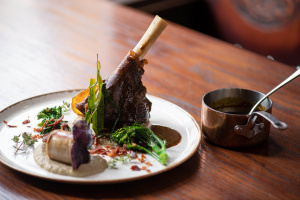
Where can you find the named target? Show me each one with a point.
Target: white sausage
(59, 145)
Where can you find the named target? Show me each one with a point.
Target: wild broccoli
(139, 138)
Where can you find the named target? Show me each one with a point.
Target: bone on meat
(125, 83)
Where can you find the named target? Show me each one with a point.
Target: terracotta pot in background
(268, 27)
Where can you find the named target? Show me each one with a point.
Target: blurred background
(267, 27)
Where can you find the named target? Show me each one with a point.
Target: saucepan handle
(251, 129)
(273, 120)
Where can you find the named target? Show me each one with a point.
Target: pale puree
(96, 164)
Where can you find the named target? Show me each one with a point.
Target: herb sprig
(96, 99)
(52, 118)
(95, 110)
(123, 159)
(25, 144)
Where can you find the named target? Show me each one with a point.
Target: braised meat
(82, 105)
(125, 85)
(128, 92)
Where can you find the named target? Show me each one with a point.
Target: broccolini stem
(145, 139)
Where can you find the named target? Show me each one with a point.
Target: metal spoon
(286, 81)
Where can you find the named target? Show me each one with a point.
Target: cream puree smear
(96, 164)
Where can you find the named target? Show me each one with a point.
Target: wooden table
(47, 46)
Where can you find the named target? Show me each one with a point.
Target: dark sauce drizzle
(172, 136)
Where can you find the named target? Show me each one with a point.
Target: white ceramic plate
(162, 113)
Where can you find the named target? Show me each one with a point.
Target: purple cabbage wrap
(83, 139)
(79, 155)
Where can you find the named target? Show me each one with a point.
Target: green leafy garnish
(96, 100)
(65, 106)
(123, 159)
(52, 118)
(95, 111)
(112, 163)
(91, 101)
(25, 144)
(99, 104)
(138, 137)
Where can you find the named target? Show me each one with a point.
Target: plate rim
(84, 181)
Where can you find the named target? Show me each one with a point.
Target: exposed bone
(153, 32)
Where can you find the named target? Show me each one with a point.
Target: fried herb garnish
(98, 96)
(95, 110)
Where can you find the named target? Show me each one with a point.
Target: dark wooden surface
(46, 46)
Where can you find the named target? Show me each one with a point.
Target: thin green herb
(96, 99)
(25, 144)
(123, 159)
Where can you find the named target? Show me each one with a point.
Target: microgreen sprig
(123, 159)
(25, 144)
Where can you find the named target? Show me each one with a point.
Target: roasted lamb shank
(128, 92)
(125, 85)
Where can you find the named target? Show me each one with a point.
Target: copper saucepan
(225, 120)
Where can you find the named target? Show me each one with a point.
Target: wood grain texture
(47, 46)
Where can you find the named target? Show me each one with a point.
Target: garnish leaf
(91, 101)
(95, 112)
(52, 118)
(96, 101)
(25, 144)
